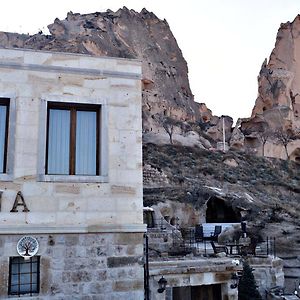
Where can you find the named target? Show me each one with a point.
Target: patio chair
(218, 230)
(218, 249)
(199, 234)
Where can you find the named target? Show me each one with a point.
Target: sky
(223, 41)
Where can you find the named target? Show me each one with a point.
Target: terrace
(202, 260)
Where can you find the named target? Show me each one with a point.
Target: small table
(236, 246)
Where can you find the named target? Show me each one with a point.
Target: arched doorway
(218, 211)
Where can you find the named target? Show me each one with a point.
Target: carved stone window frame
(42, 176)
(10, 157)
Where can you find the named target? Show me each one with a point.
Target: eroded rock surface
(167, 98)
(276, 113)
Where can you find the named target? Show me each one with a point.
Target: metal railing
(262, 248)
(179, 245)
(184, 240)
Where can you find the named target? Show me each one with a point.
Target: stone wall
(31, 80)
(154, 177)
(83, 266)
(196, 272)
(268, 273)
(89, 228)
(211, 271)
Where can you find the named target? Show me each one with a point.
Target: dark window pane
(34, 267)
(2, 135)
(24, 268)
(25, 288)
(14, 289)
(15, 279)
(86, 132)
(14, 269)
(26, 279)
(58, 142)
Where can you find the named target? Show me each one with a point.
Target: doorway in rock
(218, 211)
(199, 292)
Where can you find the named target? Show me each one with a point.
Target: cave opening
(295, 155)
(218, 211)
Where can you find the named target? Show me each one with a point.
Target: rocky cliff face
(182, 180)
(276, 113)
(168, 103)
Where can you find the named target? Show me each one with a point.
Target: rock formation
(167, 97)
(181, 180)
(276, 113)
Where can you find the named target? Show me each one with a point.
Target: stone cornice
(40, 229)
(69, 70)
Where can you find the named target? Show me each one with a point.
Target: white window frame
(103, 168)
(10, 157)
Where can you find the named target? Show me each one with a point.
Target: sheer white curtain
(86, 143)
(2, 135)
(59, 142)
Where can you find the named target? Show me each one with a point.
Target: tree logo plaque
(27, 246)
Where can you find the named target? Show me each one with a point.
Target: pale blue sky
(223, 41)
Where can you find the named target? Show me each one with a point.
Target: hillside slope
(267, 190)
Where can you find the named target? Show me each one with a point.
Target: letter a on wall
(19, 201)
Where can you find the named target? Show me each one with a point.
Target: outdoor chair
(218, 249)
(199, 234)
(215, 234)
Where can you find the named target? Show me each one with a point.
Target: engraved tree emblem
(27, 246)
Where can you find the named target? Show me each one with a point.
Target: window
(24, 275)
(73, 136)
(4, 112)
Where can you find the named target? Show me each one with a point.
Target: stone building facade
(210, 278)
(70, 176)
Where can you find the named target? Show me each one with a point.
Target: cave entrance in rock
(295, 155)
(218, 211)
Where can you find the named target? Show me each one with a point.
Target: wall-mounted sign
(19, 201)
(27, 246)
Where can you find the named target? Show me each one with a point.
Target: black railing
(262, 248)
(162, 223)
(266, 247)
(146, 268)
(179, 245)
(187, 239)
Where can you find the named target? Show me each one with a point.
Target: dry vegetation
(273, 184)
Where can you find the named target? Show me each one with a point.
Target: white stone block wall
(187, 273)
(111, 203)
(82, 266)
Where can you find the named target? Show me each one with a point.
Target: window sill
(6, 177)
(24, 296)
(72, 178)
